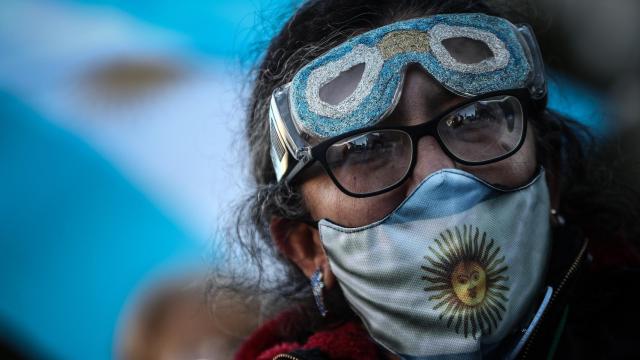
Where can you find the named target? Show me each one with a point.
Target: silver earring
(316, 286)
(556, 218)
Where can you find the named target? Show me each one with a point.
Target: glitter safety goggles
(354, 86)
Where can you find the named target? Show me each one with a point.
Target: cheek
(513, 171)
(325, 201)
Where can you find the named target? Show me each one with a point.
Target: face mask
(451, 271)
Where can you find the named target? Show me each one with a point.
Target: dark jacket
(591, 313)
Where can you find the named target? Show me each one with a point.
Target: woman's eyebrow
(441, 101)
(435, 104)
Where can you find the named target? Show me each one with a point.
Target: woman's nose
(429, 158)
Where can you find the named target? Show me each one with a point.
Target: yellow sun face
(469, 282)
(466, 274)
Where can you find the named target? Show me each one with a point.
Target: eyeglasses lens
(483, 130)
(371, 161)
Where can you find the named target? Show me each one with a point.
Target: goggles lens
(356, 84)
(477, 133)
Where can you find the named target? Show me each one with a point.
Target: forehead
(359, 82)
(423, 99)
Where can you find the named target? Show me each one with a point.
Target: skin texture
(422, 99)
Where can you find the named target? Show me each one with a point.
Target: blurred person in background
(416, 199)
(171, 320)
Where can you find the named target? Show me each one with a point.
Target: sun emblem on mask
(467, 275)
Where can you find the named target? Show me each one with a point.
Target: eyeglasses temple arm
(305, 160)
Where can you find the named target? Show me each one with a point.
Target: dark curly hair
(588, 194)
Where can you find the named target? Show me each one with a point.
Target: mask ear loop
(309, 221)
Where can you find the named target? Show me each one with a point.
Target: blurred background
(121, 150)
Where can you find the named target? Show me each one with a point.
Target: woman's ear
(300, 242)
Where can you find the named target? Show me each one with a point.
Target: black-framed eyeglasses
(374, 160)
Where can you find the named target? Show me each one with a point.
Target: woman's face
(422, 99)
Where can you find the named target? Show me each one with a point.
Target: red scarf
(344, 342)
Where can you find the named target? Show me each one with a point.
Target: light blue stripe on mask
(437, 191)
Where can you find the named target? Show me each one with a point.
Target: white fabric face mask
(451, 271)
